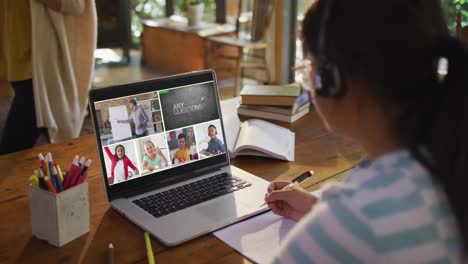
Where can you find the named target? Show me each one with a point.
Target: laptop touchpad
(223, 209)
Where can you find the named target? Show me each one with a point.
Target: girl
(154, 157)
(388, 75)
(119, 164)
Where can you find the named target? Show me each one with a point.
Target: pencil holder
(59, 218)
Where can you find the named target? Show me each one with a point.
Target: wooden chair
(243, 50)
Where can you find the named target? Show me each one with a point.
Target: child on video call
(183, 153)
(215, 146)
(119, 164)
(154, 157)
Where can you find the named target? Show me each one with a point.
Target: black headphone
(330, 81)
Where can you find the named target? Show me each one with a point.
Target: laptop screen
(159, 131)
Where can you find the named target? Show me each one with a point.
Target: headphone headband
(323, 31)
(330, 78)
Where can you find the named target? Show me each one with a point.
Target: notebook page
(260, 237)
(259, 134)
(231, 121)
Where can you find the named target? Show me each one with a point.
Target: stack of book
(275, 102)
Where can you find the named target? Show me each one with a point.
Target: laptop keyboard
(176, 199)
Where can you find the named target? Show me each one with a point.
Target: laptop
(165, 163)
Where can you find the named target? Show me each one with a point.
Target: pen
(49, 169)
(42, 183)
(296, 181)
(79, 176)
(149, 250)
(54, 176)
(43, 162)
(85, 168)
(71, 172)
(81, 161)
(50, 185)
(74, 163)
(59, 172)
(110, 254)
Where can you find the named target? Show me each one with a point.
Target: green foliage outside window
(148, 9)
(182, 4)
(451, 8)
(145, 9)
(209, 16)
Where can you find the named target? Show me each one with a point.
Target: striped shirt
(389, 212)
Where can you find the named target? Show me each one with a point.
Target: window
(302, 6)
(145, 9)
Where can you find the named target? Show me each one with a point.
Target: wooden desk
(315, 149)
(170, 46)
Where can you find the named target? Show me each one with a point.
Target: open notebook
(256, 137)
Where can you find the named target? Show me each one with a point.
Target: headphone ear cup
(331, 81)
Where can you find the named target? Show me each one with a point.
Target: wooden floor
(107, 74)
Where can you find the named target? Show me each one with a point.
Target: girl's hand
(137, 172)
(293, 203)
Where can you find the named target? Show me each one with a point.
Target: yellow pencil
(149, 249)
(47, 170)
(60, 174)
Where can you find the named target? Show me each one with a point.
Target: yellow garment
(15, 40)
(183, 153)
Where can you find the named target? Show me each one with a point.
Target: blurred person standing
(46, 48)
(16, 68)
